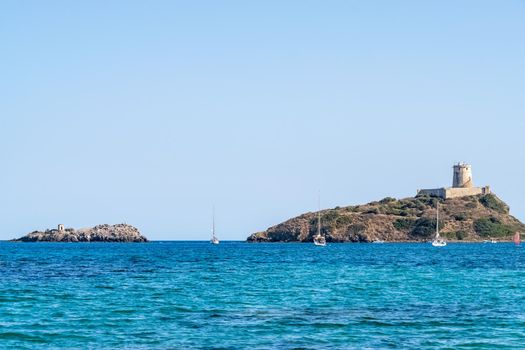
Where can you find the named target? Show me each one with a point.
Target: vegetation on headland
(472, 218)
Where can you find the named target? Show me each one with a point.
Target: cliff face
(473, 218)
(100, 233)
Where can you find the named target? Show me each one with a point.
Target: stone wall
(462, 192)
(454, 192)
(434, 192)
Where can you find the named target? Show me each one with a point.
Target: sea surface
(194, 295)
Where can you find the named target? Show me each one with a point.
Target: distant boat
(438, 241)
(492, 240)
(319, 239)
(378, 241)
(214, 239)
(517, 238)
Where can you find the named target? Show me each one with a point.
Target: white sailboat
(438, 241)
(319, 239)
(214, 239)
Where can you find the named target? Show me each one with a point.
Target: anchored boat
(319, 239)
(214, 239)
(438, 241)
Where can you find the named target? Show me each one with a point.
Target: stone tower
(462, 176)
(462, 185)
(60, 228)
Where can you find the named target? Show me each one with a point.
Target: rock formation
(472, 218)
(100, 233)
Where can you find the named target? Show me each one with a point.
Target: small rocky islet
(469, 219)
(101, 233)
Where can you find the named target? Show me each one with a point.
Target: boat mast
(213, 223)
(437, 219)
(319, 215)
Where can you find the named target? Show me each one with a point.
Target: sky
(152, 112)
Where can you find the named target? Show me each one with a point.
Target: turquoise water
(193, 295)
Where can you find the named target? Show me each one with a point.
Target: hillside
(473, 218)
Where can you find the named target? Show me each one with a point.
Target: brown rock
(100, 233)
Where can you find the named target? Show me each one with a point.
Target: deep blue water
(193, 295)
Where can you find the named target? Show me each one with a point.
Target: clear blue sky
(150, 112)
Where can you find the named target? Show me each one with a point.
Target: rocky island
(100, 233)
(472, 218)
(466, 213)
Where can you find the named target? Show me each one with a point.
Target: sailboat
(517, 238)
(438, 241)
(319, 239)
(214, 239)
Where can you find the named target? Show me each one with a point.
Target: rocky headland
(470, 218)
(100, 233)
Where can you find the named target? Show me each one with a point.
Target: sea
(236, 295)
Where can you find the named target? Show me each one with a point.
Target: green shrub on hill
(424, 227)
(491, 202)
(343, 220)
(404, 224)
(387, 200)
(334, 219)
(371, 211)
(459, 217)
(456, 235)
(471, 205)
(395, 211)
(460, 235)
(428, 200)
(491, 227)
(330, 216)
(352, 209)
(408, 204)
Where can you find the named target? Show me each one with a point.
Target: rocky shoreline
(464, 219)
(100, 233)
